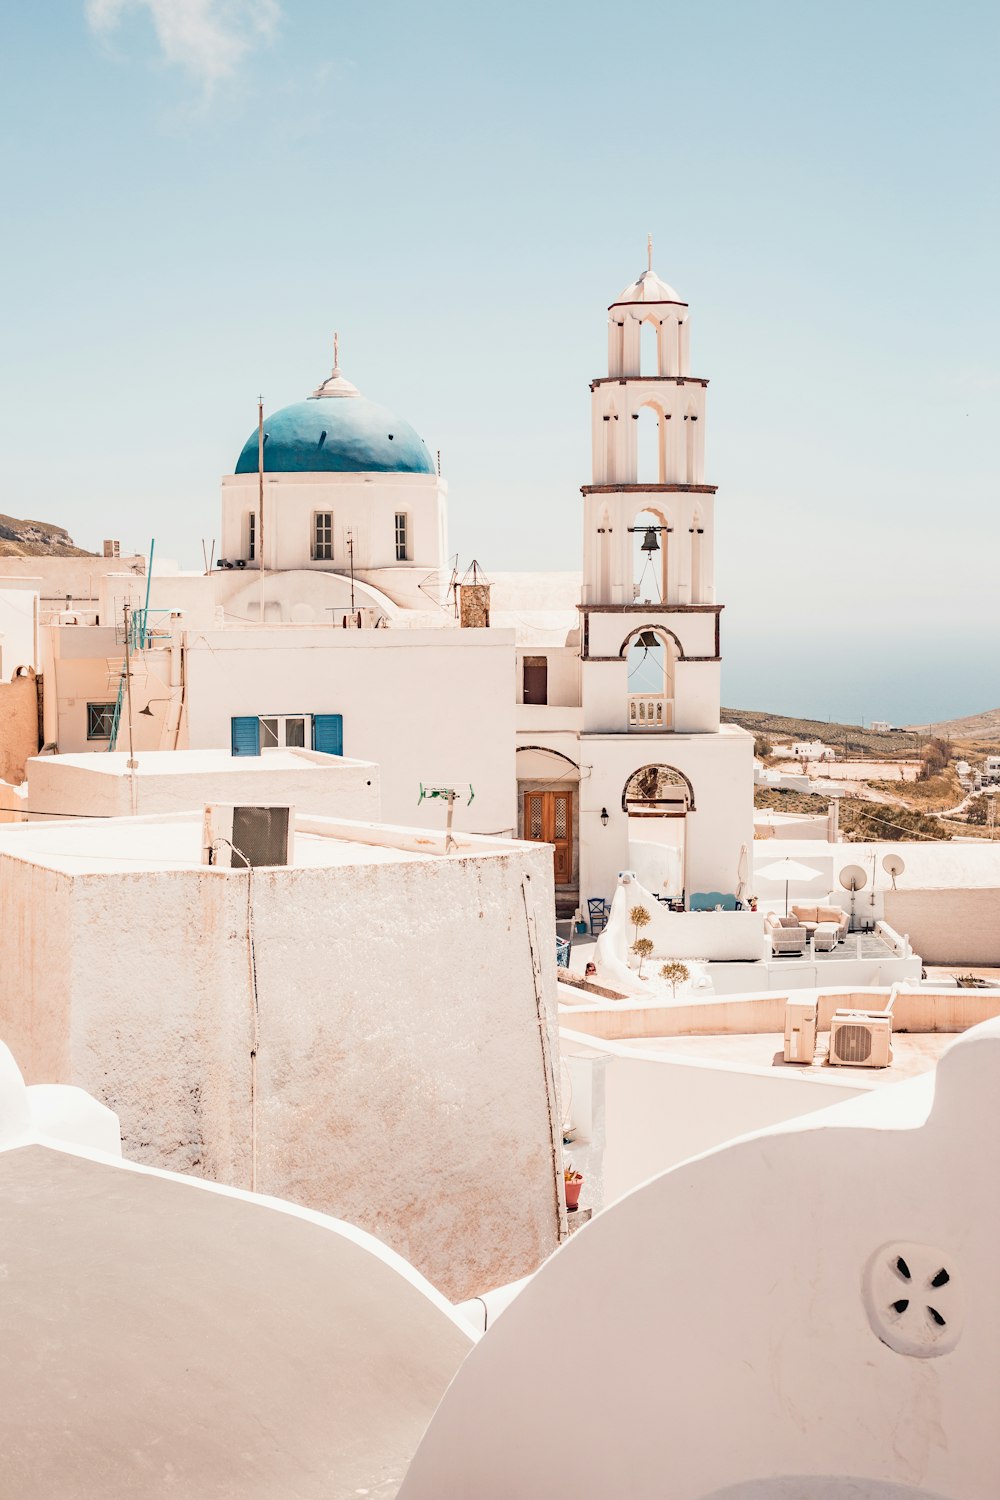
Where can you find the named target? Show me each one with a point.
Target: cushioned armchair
(786, 934)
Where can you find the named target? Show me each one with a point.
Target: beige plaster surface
(160, 1339)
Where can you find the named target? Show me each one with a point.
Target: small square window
(100, 718)
(402, 540)
(323, 536)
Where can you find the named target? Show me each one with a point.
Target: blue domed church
(334, 487)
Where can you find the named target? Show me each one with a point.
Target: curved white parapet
(811, 1311)
(15, 1114)
(68, 1116)
(730, 936)
(164, 1333)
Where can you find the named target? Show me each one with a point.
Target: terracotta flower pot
(573, 1185)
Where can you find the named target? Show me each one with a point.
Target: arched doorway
(656, 800)
(548, 784)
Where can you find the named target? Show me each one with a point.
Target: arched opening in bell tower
(657, 800)
(652, 654)
(698, 559)
(649, 445)
(650, 532)
(649, 349)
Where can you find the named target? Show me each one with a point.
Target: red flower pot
(573, 1185)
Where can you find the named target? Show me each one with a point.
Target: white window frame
(322, 547)
(402, 536)
(280, 731)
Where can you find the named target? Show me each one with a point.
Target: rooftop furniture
(812, 916)
(599, 909)
(713, 901)
(826, 936)
(786, 935)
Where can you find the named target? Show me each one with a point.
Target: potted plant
(643, 949)
(675, 973)
(572, 1183)
(639, 917)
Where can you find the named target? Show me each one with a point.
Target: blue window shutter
(328, 733)
(246, 736)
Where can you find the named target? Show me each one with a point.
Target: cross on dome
(335, 384)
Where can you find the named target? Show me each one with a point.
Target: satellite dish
(853, 878)
(893, 864)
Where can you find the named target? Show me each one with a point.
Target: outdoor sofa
(786, 933)
(810, 917)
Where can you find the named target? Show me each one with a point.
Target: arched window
(648, 446)
(649, 353)
(604, 541)
(651, 555)
(689, 428)
(697, 559)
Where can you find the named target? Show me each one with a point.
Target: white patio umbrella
(787, 870)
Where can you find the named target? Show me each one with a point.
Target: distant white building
(880, 726)
(813, 750)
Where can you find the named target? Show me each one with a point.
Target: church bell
(649, 541)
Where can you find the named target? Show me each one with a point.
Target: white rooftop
(195, 762)
(173, 841)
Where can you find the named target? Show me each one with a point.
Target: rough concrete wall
(18, 726)
(406, 1091)
(35, 970)
(956, 926)
(399, 1082)
(161, 1021)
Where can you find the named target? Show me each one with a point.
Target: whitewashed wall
(427, 706)
(399, 1080)
(735, 1319)
(325, 785)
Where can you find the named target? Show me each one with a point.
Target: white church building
(582, 710)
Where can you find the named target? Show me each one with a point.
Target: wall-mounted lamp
(147, 712)
(604, 817)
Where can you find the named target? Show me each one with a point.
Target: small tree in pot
(639, 917)
(675, 973)
(643, 949)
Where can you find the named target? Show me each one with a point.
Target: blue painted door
(328, 733)
(246, 736)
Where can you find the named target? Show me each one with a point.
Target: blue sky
(198, 192)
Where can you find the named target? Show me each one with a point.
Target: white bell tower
(664, 774)
(669, 492)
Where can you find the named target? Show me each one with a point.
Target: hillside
(850, 738)
(984, 726)
(36, 539)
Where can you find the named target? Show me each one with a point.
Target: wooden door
(548, 819)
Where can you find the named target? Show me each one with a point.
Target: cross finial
(649, 250)
(336, 352)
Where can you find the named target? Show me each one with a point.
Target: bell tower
(648, 431)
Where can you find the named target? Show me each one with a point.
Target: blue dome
(345, 434)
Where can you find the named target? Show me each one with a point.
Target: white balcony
(650, 711)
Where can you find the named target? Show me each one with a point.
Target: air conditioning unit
(861, 1039)
(241, 835)
(800, 1031)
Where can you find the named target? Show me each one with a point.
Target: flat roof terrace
(174, 841)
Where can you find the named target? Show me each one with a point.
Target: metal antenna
(649, 250)
(336, 353)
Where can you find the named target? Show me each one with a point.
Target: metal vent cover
(261, 834)
(853, 1043)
